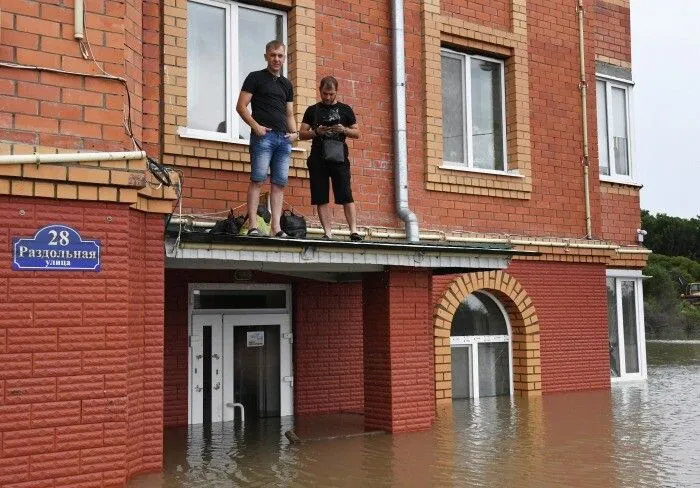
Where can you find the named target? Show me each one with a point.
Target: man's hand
(322, 130)
(259, 130)
(292, 136)
(338, 129)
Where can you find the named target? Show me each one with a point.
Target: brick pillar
(398, 350)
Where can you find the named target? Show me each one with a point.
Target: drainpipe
(71, 157)
(400, 144)
(584, 126)
(78, 19)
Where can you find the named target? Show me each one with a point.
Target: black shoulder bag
(332, 150)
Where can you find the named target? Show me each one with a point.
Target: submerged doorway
(240, 352)
(480, 348)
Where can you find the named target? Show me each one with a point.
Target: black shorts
(338, 173)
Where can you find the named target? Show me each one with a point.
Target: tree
(672, 236)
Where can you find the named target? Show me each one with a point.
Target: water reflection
(639, 435)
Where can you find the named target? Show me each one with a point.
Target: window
(225, 41)
(480, 348)
(614, 142)
(626, 326)
(473, 112)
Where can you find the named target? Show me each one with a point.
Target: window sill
(619, 181)
(187, 133)
(458, 167)
(627, 378)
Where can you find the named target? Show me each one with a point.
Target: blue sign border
(61, 248)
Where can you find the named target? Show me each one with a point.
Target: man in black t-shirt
(330, 119)
(273, 129)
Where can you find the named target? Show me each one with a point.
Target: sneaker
(355, 237)
(325, 237)
(253, 232)
(281, 235)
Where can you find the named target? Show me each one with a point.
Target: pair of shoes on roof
(254, 232)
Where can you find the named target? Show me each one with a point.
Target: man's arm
(292, 133)
(242, 108)
(306, 132)
(352, 132)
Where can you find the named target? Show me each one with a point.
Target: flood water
(643, 434)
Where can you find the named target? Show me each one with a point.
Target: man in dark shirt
(329, 120)
(273, 129)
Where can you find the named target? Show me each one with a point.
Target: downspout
(78, 23)
(72, 157)
(400, 142)
(584, 126)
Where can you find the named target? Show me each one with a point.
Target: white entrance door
(214, 365)
(248, 341)
(206, 369)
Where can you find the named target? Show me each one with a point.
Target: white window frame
(637, 278)
(467, 114)
(474, 341)
(625, 85)
(232, 71)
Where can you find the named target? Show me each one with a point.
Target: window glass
(629, 327)
(472, 111)
(478, 314)
(239, 299)
(494, 373)
(255, 29)
(613, 112)
(461, 372)
(453, 109)
(487, 130)
(602, 108)
(206, 67)
(619, 129)
(613, 345)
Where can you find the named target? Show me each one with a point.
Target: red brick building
(472, 117)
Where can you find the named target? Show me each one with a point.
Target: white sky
(666, 70)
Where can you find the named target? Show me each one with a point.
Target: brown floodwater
(642, 434)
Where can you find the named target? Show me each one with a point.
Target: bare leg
(276, 200)
(325, 218)
(351, 216)
(253, 202)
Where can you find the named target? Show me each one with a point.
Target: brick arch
(525, 331)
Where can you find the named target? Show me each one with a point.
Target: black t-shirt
(322, 114)
(270, 97)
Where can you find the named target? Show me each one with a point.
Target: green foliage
(676, 259)
(672, 236)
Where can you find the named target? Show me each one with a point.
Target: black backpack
(293, 225)
(229, 226)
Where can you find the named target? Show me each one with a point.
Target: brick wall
(571, 305)
(353, 43)
(398, 351)
(145, 377)
(175, 361)
(620, 213)
(620, 204)
(494, 13)
(78, 112)
(328, 368)
(80, 352)
(86, 113)
(611, 27)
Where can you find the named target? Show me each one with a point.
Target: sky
(666, 104)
